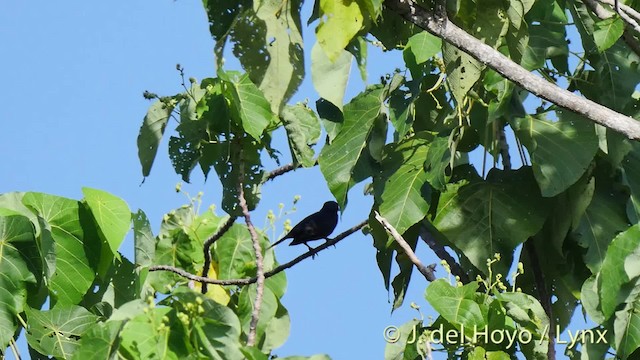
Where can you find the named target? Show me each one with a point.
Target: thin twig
(207, 247)
(268, 274)
(257, 303)
(427, 271)
(439, 250)
(626, 9)
(279, 171)
(491, 57)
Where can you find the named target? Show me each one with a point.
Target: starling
(314, 227)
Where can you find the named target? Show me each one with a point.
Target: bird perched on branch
(314, 227)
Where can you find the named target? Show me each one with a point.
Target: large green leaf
(482, 218)
(607, 32)
(338, 160)
(330, 76)
(403, 187)
(57, 332)
(268, 309)
(456, 304)
(248, 104)
(234, 251)
(612, 274)
(303, 131)
(626, 326)
(283, 42)
(15, 273)
(463, 71)
(216, 330)
(100, 342)
(423, 46)
(151, 133)
(147, 336)
(603, 219)
(77, 244)
(561, 151)
(112, 215)
(340, 22)
(144, 242)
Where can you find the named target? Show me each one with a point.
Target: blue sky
(73, 74)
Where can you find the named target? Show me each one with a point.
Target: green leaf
(143, 239)
(268, 309)
(491, 24)
(216, 329)
(358, 48)
(403, 188)
(338, 160)
(627, 329)
(303, 131)
(278, 329)
(463, 71)
(76, 244)
(561, 151)
(482, 218)
(401, 334)
(151, 133)
(248, 104)
(456, 304)
(340, 21)
(57, 332)
(225, 158)
(603, 219)
(142, 337)
(100, 342)
(612, 274)
(607, 32)
(112, 215)
(330, 76)
(423, 46)
(15, 273)
(234, 251)
(283, 42)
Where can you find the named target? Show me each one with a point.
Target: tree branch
(451, 33)
(207, 247)
(439, 250)
(427, 271)
(279, 171)
(257, 303)
(268, 274)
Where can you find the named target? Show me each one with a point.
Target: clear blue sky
(73, 74)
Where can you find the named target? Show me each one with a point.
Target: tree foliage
(567, 214)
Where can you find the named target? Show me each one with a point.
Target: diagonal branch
(487, 55)
(207, 247)
(257, 303)
(427, 271)
(442, 253)
(602, 14)
(268, 274)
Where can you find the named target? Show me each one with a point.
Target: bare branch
(257, 303)
(268, 274)
(627, 10)
(451, 33)
(279, 171)
(441, 253)
(207, 247)
(427, 271)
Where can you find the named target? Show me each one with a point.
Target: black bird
(314, 227)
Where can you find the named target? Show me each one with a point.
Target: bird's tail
(277, 242)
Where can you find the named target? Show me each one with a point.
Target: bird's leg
(327, 239)
(310, 249)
